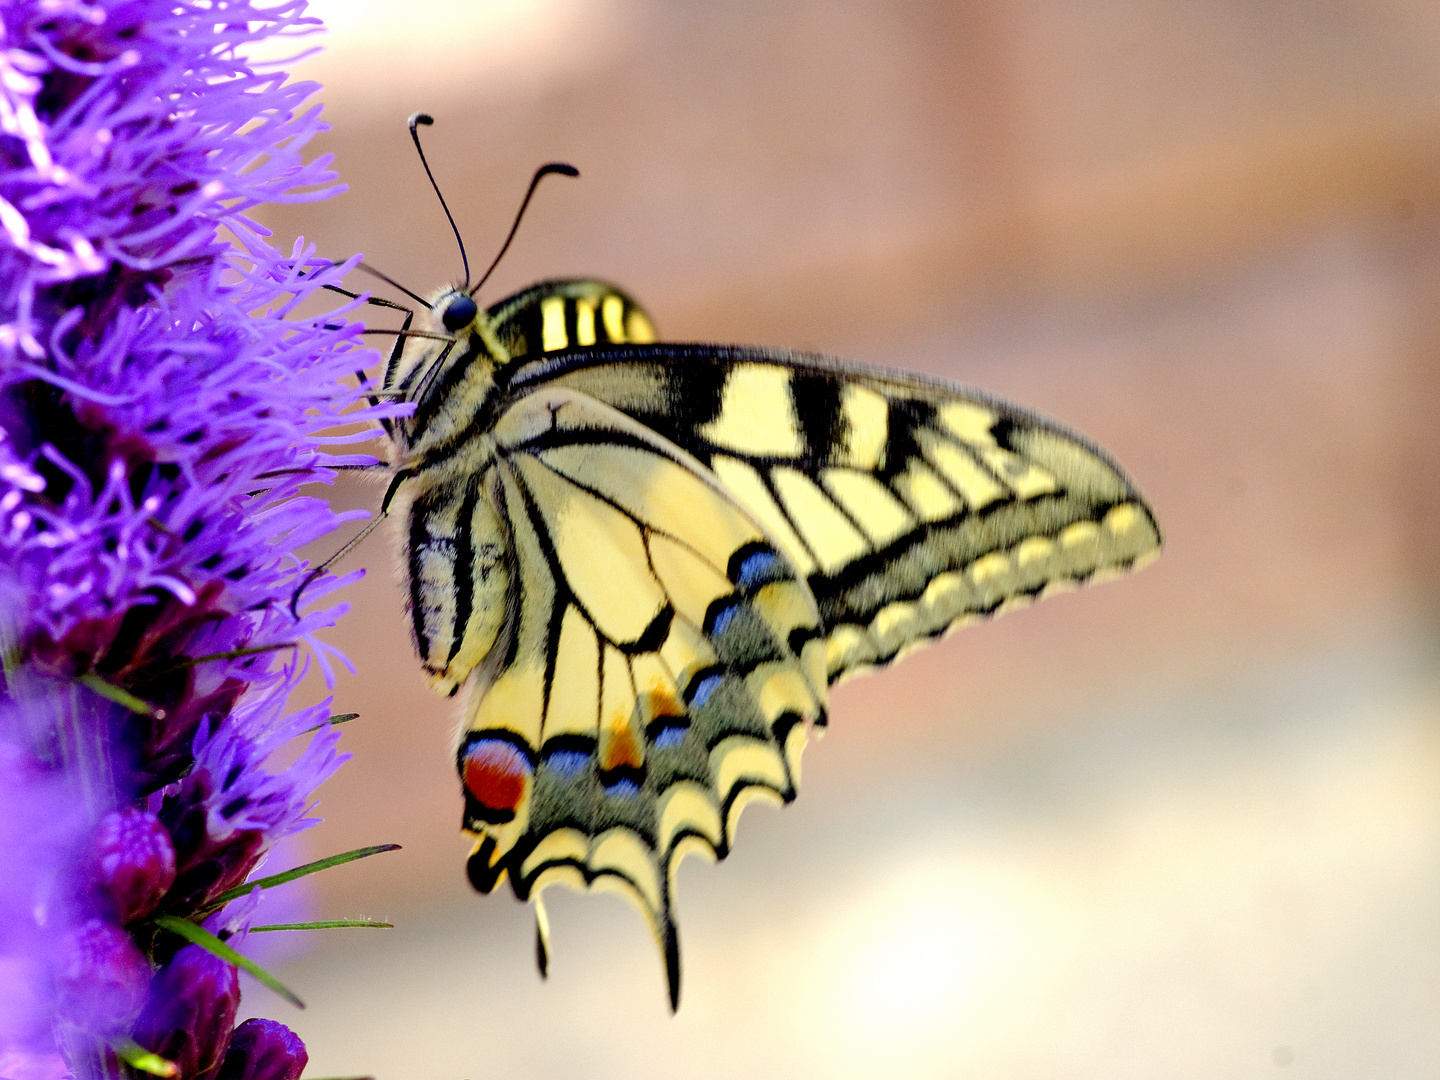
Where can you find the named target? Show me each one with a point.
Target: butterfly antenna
(427, 120)
(377, 301)
(545, 170)
(393, 283)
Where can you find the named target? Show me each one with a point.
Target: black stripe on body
(464, 573)
(430, 399)
(571, 322)
(529, 326)
(418, 537)
(440, 456)
(519, 325)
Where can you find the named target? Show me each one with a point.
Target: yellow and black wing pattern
(556, 316)
(908, 505)
(663, 666)
(670, 552)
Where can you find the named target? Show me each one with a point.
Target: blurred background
(1183, 825)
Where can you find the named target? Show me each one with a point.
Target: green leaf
(120, 697)
(137, 1057)
(299, 872)
(198, 935)
(326, 924)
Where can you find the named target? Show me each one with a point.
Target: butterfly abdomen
(459, 577)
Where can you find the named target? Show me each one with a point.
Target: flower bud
(206, 865)
(263, 1050)
(101, 977)
(134, 862)
(191, 1012)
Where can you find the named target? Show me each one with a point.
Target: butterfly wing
(568, 314)
(909, 505)
(660, 668)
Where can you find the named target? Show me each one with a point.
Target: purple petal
(264, 1050)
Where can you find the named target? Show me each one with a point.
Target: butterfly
(647, 563)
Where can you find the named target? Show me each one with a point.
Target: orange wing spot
(496, 774)
(620, 747)
(660, 700)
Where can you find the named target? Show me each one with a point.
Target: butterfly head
(456, 310)
(450, 331)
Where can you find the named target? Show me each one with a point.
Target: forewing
(664, 665)
(554, 316)
(909, 505)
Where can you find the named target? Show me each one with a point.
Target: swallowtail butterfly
(647, 563)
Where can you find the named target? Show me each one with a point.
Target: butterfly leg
(379, 466)
(390, 363)
(351, 546)
(379, 301)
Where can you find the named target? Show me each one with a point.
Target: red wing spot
(496, 774)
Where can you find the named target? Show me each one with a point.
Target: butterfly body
(648, 562)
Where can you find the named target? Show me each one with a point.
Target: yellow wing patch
(755, 414)
(669, 647)
(875, 486)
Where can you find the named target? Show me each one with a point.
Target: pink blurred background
(1184, 825)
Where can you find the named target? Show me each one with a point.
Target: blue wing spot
(722, 619)
(669, 736)
(568, 763)
(757, 569)
(625, 789)
(704, 688)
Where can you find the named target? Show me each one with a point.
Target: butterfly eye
(459, 313)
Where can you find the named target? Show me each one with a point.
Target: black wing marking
(910, 505)
(666, 664)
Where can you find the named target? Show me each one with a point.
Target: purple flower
(134, 861)
(162, 405)
(263, 1050)
(101, 977)
(190, 1015)
(229, 811)
(39, 824)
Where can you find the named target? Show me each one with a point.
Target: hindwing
(908, 505)
(662, 666)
